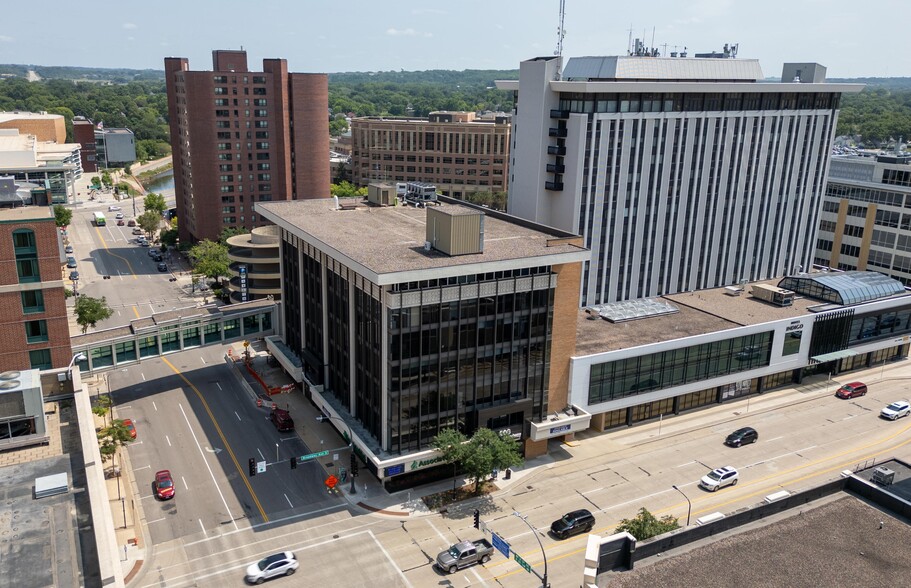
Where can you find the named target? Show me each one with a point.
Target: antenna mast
(560, 31)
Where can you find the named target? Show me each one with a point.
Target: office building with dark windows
(681, 173)
(241, 137)
(865, 222)
(640, 361)
(407, 321)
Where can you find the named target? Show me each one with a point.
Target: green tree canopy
(149, 222)
(347, 190)
(155, 202)
(90, 311)
(229, 232)
(63, 216)
(210, 259)
(645, 525)
(479, 456)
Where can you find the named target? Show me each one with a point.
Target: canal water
(163, 184)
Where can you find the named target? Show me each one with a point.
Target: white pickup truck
(464, 554)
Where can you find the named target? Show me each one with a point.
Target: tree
(229, 232)
(155, 202)
(645, 525)
(210, 259)
(63, 216)
(168, 238)
(112, 438)
(91, 310)
(106, 179)
(479, 456)
(149, 222)
(343, 190)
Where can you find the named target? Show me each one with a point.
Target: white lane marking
(203, 360)
(592, 491)
(478, 576)
(263, 457)
(778, 456)
(685, 464)
(156, 521)
(155, 406)
(144, 379)
(145, 467)
(389, 558)
(440, 535)
(237, 415)
(152, 307)
(289, 501)
(219, 385)
(206, 461)
(168, 439)
(184, 484)
(203, 528)
(774, 438)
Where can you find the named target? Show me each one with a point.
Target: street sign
(314, 455)
(501, 545)
(521, 562)
(331, 482)
(260, 467)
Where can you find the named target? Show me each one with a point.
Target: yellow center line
(136, 312)
(764, 490)
(243, 475)
(109, 252)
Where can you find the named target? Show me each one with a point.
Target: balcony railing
(556, 150)
(557, 132)
(553, 186)
(557, 113)
(555, 168)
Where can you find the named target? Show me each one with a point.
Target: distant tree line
(877, 115)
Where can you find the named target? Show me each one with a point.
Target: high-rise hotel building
(681, 173)
(240, 137)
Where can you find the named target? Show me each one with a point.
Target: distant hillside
(89, 74)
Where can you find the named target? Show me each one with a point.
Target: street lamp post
(689, 505)
(69, 368)
(324, 417)
(524, 519)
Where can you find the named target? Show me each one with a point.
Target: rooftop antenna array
(561, 33)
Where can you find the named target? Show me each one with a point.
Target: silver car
(279, 564)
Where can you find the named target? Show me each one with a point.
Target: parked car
(128, 423)
(68, 249)
(719, 478)
(153, 252)
(464, 554)
(282, 420)
(120, 223)
(279, 564)
(157, 257)
(896, 410)
(131, 223)
(163, 485)
(74, 275)
(137, 230)
(852, 390)
(742, 436)
(162, 266)
(119, 215)
(71, 262)
(573, 523)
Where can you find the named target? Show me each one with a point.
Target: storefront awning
(833, 356)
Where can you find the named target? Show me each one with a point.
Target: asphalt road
(193, 418)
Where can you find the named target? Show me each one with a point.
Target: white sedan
(896, 410)
(279, 564)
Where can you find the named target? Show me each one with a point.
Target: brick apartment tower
(84, 134)
(34, 329)
(240, 137)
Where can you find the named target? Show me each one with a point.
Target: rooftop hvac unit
(883, 476)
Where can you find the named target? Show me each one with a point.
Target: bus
(100, 221)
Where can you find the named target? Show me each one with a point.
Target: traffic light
(293, 463)
(353, 465)
(477, 519)
(252, 464)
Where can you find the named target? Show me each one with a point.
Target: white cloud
(428, 11)
(406, 33)
(129, 25)
(131, 38)
(5, 39)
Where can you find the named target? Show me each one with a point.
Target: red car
(163, 485)
(128, 423)
(852, 390)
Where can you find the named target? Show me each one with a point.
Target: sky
(383, 35)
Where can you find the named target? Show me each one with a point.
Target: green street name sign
(521, 561)
(313, 455)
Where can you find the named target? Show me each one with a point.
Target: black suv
(742, 437)
(572, 523)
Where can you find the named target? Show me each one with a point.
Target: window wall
(637, 375)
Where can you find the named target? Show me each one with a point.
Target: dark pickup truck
(464, 554)
(282, 420)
